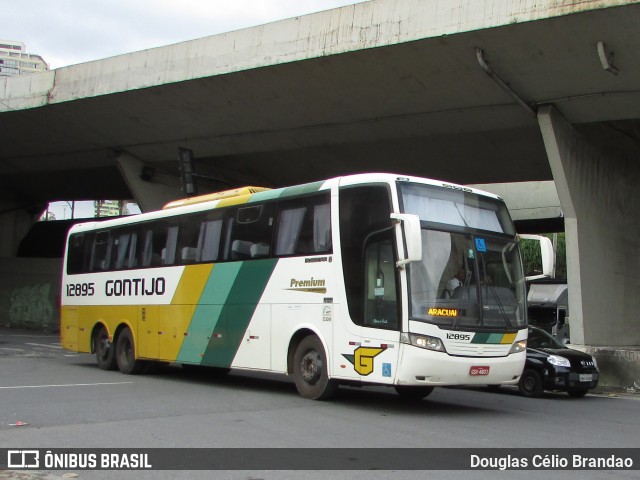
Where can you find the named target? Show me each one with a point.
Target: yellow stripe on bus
(508, 338)
(192, 282)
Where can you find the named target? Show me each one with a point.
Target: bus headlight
(424, 341)
(519, 346)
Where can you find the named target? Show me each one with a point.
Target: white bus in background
(343, 281)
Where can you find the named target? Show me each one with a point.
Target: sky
(67, 32)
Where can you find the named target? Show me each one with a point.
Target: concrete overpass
(478, 91)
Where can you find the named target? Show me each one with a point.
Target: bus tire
(412, 392)
(310, 370)
(104, 349)
(126, 354)
(530, 384)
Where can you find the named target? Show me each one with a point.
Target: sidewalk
(13, 475)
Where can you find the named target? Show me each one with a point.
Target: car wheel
(530, 384)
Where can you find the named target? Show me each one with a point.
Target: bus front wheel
(104, 349)
(126, 354)
(310, 370)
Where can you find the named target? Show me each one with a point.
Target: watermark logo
(23, 459)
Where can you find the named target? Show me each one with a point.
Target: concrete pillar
(151, 189)
(598, 189)
(15, 222)
(597, 185)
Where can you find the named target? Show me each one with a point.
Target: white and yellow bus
(342, 281)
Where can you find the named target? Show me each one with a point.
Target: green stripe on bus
(207, 312)
(238, 309)
(268, 195)
(302, 189)
(286, 192)
(480, 338)
(490, 338)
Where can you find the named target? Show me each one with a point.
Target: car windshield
(541, 339)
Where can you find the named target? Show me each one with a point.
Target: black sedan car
(552, 366)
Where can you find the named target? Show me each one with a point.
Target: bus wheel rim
(311, 367)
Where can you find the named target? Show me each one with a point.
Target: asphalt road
(51, 398)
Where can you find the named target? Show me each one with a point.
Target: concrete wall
(619, 368)
(29, 293)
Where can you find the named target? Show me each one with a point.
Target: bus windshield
(456, 208)
(470, 275)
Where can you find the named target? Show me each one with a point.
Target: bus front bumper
(420, 366)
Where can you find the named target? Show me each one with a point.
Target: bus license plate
(586, 377)
(479, 371)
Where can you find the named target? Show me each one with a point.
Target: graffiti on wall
(31, 305)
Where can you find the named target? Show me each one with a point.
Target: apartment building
(14, 60)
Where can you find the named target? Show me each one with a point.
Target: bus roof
(215, 196)
(244, 195)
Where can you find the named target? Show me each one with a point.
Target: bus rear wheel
(104, 349)
(310, 370)
(126, 354)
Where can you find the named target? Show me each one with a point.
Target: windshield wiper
(488, 283)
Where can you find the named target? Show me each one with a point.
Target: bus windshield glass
(470, 275)
(457, 208)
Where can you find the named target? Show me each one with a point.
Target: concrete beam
(151, 189)
(527, 200)
(361, 26)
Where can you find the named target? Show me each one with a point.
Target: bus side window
(188, 239)
(147, 251)
(289, 226)
(322, 228)
(101, 254)
(133, 255)
(169, 250)
(121, 245)
(304, 226)
(209, 240)
(76, 254)
(249, 232)
(156, 240)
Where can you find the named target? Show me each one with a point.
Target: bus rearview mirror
(412, 237)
